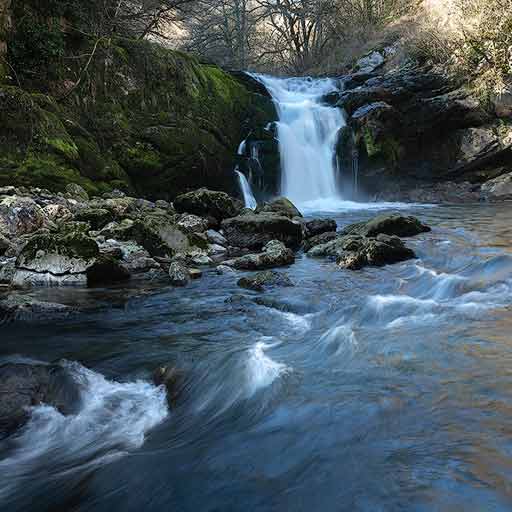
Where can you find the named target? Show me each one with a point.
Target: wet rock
(56, 258)
(224, 269)
(388, 224)
(97, 218)
(275, 254)
(498, 189)
(23, 386)
(265, 279)
(16, 308)
(77, 192)
(315, 227)
(195, 273)
(253, 231)
(317, 240)
(208, 203)
(20, 215)
(280, 206)
(172, 378)
(375, 252)
(179, 274)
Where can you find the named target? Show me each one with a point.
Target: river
(384, 389)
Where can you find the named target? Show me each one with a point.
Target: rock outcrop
(259, 282)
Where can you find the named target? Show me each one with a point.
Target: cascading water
(249, 199)
(308, 132)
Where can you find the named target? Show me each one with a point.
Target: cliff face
(413, 124)
(125, 114)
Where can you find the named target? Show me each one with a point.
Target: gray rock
(193, 223)
(315, 227)
(214, 237)
(253, 231)
(20, 215)
(265, 279)
(321, 239)
(498, 188)
(179, 274)
(375, 252)
(97, 218)
(23, 386)
(275, 254)
(370, 62)
(56, 258)
(57, 213)
(27, 309)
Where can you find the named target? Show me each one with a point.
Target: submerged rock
(275, 254)
(259, 281)
(208, 203)
(25, 385)
(253, 231)
(170, 377)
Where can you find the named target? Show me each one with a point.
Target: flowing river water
(384, 389)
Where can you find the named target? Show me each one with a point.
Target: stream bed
(384, 389)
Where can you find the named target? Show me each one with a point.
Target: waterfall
(249, 199)
(307, 132)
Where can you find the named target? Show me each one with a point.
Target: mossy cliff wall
(137, 116)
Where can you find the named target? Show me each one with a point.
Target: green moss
(389, 148)
(66, 147)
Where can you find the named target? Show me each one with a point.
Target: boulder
(253, 231)
(57, 213)
(502, 101)
(280, 206)
(97, 218)
(371, 62)
(179, 274)
(7, 270)
(388, 224)
(215, 238)
(77, 192)
(20, 215)
(157, 234)
(315, 227)
(56, 258)
(193, 223)
(208, 203)
(499, 188)
(25, 385)
(375, 252)
(4, 244)
(262, 280)
(275, 254)
(133, 257)
(195, 273)
(321, 239)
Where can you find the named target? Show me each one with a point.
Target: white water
(307, 132)
(245, 187)
(113, 420)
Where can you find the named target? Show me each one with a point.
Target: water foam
(113, 420)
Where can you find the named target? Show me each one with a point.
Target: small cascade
(355, 170)
(308, 133)
(245, 187)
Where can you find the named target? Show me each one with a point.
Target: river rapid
(384, 389)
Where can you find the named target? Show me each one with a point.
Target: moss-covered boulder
(388, 224)
(208, 203)
(280, 206)
(56, 259)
